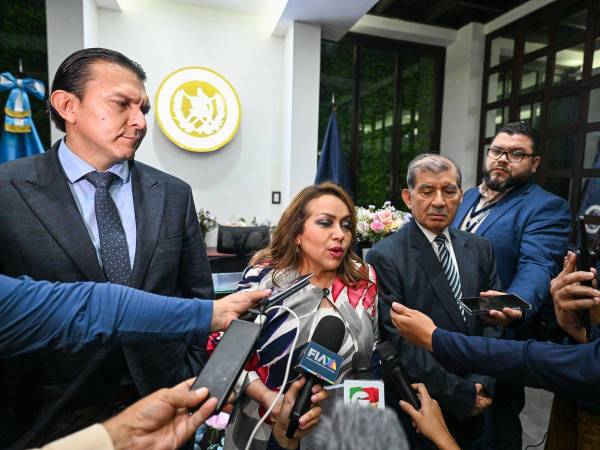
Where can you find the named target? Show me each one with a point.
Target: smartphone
(480, 305)
(584, 263)
(225, 365)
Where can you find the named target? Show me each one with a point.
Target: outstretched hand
(504, 317)
(161, 420)
(413, 325)
(570, 295)
(429, 420)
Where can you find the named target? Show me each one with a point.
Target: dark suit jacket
(408, 268)
(43, 235)
(573, 370)
(529, 231)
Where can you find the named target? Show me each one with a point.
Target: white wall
(462, 100)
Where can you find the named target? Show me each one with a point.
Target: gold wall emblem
(197, 109)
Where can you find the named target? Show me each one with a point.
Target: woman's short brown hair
(282, 254)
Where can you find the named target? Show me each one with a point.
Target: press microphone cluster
(319, 362)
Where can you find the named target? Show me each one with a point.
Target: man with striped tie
(428, 267)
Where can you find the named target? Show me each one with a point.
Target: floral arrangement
(208, 221)
(241, 222)
(374, 224)
(211, 435)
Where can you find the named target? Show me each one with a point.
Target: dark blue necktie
(113, 243)
(450, 270)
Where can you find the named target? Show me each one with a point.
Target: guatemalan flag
(19, 136)
(331, 164)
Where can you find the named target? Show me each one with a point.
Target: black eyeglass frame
(509, 155)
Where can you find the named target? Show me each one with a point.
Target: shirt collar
(431, 235)
(491, 196)
(75, 167)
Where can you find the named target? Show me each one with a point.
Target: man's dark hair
(525, 129)
(75, 71)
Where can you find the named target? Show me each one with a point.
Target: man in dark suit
(85, 210)
(427, 266)
(573, 370)
(529, 230)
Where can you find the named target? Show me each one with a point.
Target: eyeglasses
(514, 157)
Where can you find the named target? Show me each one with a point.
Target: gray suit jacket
(408, 268)
(43, 235)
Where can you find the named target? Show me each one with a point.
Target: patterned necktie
(450, 270)
(113, 243)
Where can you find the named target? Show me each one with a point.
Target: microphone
(392, 367)
(363, 389)
(319, 361)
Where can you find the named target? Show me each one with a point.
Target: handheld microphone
(319, 361)
(363, 389)
(392, 367)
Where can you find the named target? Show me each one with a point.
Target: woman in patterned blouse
(315, 234)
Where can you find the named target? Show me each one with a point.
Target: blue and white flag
(19, 137)
(590, 199)
(331, 164)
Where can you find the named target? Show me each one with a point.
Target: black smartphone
(225, 365)
(480, 305)
(584, 263)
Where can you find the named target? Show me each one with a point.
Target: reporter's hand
(413, 325)
(570, 296)
(429, 420)
(482, 400)
(233, 306)
(307, 422)
(504, 317)
(161, 420)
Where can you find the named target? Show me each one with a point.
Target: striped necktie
(450, 270)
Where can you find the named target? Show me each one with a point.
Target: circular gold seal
(197, 109)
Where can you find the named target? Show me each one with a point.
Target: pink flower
(385, 216)
(377, 226)
(218, 421)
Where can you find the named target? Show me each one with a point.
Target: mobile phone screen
(224, 366)
(480, 305)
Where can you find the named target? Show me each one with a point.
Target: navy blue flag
(331, 164)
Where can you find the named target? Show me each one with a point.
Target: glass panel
(499, 86)
(563, 111)
(337, 79)
(23, 36)
(417, 100)
(573, 22)
(531, 113)
(495, 119)
(375, 125)
(534, 75)
(560, 152)
(502, 49)
(559, 186)
(536, 39)
(591, 159)
(596, 58)
(569, 64)
(594, 106)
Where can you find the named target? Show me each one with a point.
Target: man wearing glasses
(528, 228)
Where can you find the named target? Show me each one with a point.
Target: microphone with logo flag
(364, 389)
(319, 362)
(392, 368)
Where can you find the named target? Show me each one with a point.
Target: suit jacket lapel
(503, 206)
(48, 195)
(149, 201)
(465, 207)
(426, 258)
(467, 269)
